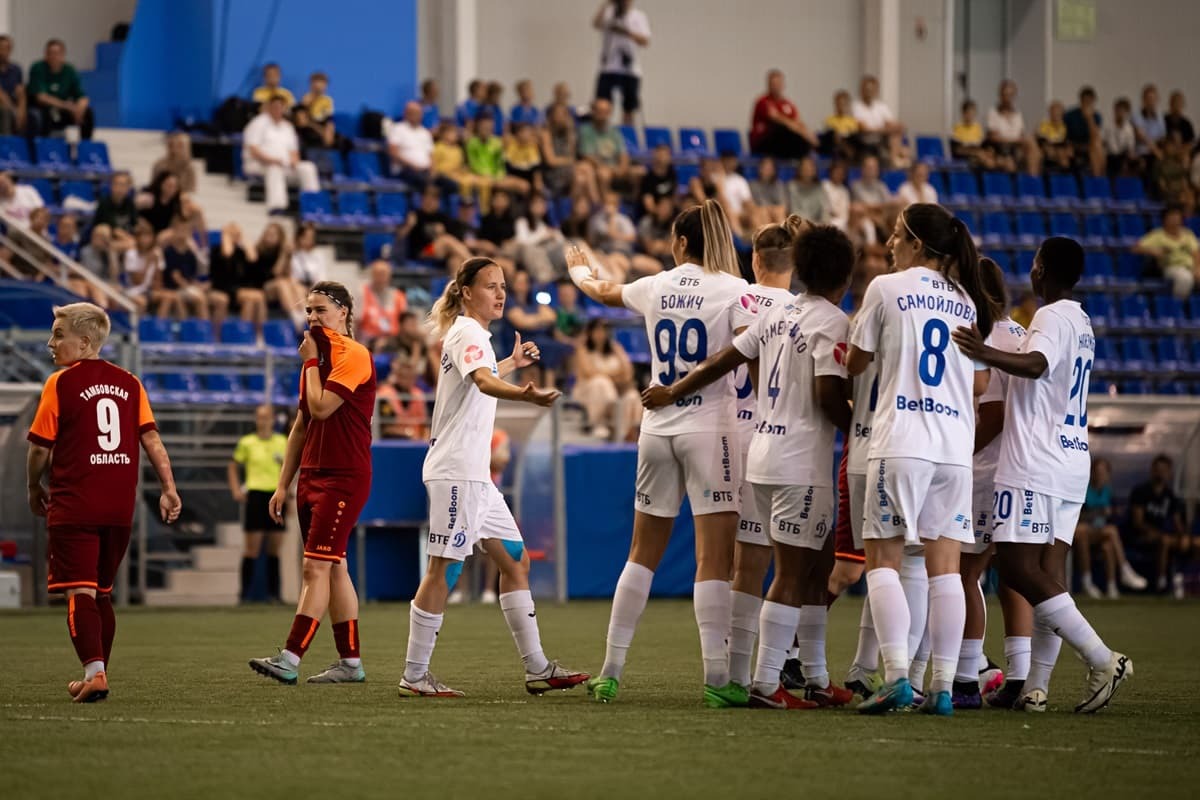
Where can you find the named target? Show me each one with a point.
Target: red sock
(83, 622)
(108, 625)
(303, 630)
(345, 636)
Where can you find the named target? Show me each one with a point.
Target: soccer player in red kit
(91, 418)
(330, 444)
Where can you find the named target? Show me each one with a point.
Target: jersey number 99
(689, 343)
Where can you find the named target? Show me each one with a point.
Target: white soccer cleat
(1130, 579)
(1034, 700)
(1103, 683)
(1090, 590)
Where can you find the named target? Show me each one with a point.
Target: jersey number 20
(108, 422)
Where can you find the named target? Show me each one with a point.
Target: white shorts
(904, 491)
(707, 465)
(461, 513)
(752, 520)
(857, 486)
(1022, 516)
(801, 516)
(982, 499)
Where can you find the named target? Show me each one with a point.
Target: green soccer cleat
(275, 667)
(340, 672)
(602, 690)
(731, 695)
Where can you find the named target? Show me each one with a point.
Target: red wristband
(312, 362)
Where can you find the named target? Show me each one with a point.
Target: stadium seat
(685, 172)
(1130, 267)
(1135, 387)
(997, 229)
(354, 208)
(998, 189)
(634, 340)
(84, 190)
(391, 207)
(893, 178)
(14, 152)
(1097, 269)
(279, 334)
(52, 154)
(1098, 230)
(196, 331)
(222, 383)
(971, 220)
(938, 182)
(1130, 228)
(1191, 320)
(1134, 313)
(328, 162)
(964, 189)
(1193, 362)
(931, 149)
(365, 166)
(1031, 228)
(1170, 353)
(727, 140)
(1167, 311)
(1128, 193)
(1023, 263)
(656, 136)
(152, 330)
(1103, 358)
(374, 243)
(1097, 192)
(1193, 224)
(1003, 258)
(1064, 191)
(630, 135)
(316, 207)
(92, 156)
(1098, 305)
(1135, 354)
(1064, 224)
(45, 189)
(693, 142)
(181, 382)
(237, 331)
(1031, 191)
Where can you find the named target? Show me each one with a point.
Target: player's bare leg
(314, 602)
(343, 613)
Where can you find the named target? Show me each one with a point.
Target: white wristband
(580, 273)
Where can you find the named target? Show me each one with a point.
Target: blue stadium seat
(374, 243)
(1135, 387)
(1128, 193)
(1064, 224)
(181, 382)
(656, 135)
(45, 189)
(1031, 191)
(971, 220)
(84, 190)
(1130, 267)
(1192, 319)
(1130, 228)
(1064, 191)
(237, 331)
(1098, 230)
(1023, 263)
(685, 172)
(1135, 354)
(1170, 353)
(279, 334)
(14, 152)
(92, 156)
(997, 229)
(1097, 192)
(257, 383)
(354, 208)
(1167, 311)
(1193, 224)
(391, 207)
(931, 149)
(1134, 313)
(316, 207)
(1097, 269)
(1031, 228)
(1193, 363)
(693, 142)
(1003, 258)
(634, 340)
(365, 166)
(1098, 305)
(998, 188)
(152, 330)
(196, 331)
(52, 154)
(727, 140)
(893, 178)
(964, 189)
(328, 162)
(222, 383)
(938, 181)
(1103, 355)
(630, 135)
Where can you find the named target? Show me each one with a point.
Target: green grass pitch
(188, 719)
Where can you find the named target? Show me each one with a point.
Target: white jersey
(925, 407)
(690, 315)
(460, 443)
(1007, 336)
(767, 297)
(865, 396)
(1044, 446)
(794, 343)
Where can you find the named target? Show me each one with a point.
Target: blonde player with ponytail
(465, 507)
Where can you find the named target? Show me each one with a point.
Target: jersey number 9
(108, 422)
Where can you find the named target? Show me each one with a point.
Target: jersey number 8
(932, 363)
(689, 343)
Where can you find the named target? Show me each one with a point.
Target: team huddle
(965, 443)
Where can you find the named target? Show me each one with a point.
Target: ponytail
(949, 245)
(773, 243)
(450, 305)
(709, 237)
(992, 279)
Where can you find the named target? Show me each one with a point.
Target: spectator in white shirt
(272, 149)
(1120, 140)
(917, 188)
(410, 148)
(837, 194)
(18, 199)
(878, 129)
(625, 29)
(739, 199)
(1006, 134)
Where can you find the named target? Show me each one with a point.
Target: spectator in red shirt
(776, 128)
(382, 306)
(402, 410)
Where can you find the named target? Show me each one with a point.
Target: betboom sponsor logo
(726, 461)
(926, 405)
(1072, 443)
(694, 400)
(880, 487)
(772, 430)
(452, 511)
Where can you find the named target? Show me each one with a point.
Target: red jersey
(342, 442)
(760, 123)
(92, 414)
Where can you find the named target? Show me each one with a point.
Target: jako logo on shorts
(452, 511)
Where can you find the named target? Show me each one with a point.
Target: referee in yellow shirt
(261, 455)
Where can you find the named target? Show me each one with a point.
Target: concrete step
(195, 581)
(230, 534)
(206, 558)
(163, 598)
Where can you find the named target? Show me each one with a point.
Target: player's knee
(315, 569)
(453, 572)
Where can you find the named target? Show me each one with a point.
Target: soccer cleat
(93, 690)
(427, 686)
(792, 675)
(990, 678)
(862, 683)
(1034, 700)
(1103, 683)
(340, 672)
(1006, 696)
(275, 667)
(731, 695)
(890, 696)
(1091, 590)
(939, 704)
(602, 690)
(918, 699)
(555, 676)
(830, 696)
(966, 695)
(781, 700)
(1130, 579)
(74, 688)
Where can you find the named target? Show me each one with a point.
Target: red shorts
(843, 537)
(328, 506)
(86, 557)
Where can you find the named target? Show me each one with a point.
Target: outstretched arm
(1023, 365)
(492, 386)
(722, 363)
(581, 273)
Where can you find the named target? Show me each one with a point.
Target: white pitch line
(1124, 751)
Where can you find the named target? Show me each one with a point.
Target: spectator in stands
(39, 222)
(315, 135)
(1156, 520)
(66, 236)
(183, 268)
(18, 200)
(535, 322)
(378, 324)
(143, 272)
(485, 156)
(309, 265)
(431, 113)
(526, 110)
(837, 195)
(271, 77)
(917, 189)
(613, 233)
(178, 162)
(1175, 250)
(736, 190)
(498, 227)
(523, 157)
(1084, 125)
(604, 147)
(1175, 120)
(1149, 123)
(116, 208)
(12, 91)
(1170, 178)
(492, 99)
(708, 183)
(966, 139)
(56, 95)
(563, 175)
(1006, 134)
(569, 317)
(604, 384)
(869, 241)
(539, 244)
(625, 29)
(575, 225)
(878, 129)
(429, 232)
(660, 179)
(101, 258)
(654, 232)
(1120, 139)
(769, 194)
(1057, 152)
(872, 193)
(410, 148)
(316, 100)
(272, 149)
(161, 203)
(1097, 527)
(775, 125)
(233, 277)
(1026, 306)
(842, 127)
(560, 94)
(402, 410)
(807, 196)
(268, 265)
(449, 163)
(469, 108)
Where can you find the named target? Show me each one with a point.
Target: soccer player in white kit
(803, 399)
(465, 507)
(1043, 471)
(921, 440)
(692, 445)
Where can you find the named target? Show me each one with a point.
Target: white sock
(915, 581)
(1043, 653)
(919, 663)
(291, 658)
(776, 629)
(890, 613)
(94, 668)
(714, 609)
(352, 662)
(1064, 619)
(866, 657)
(521, 617)
(968, 661)
(981, 660)
(742, 633)
(629, 601)
(947, 615)
(1016, 657)
(423, 629)
(811, 630)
